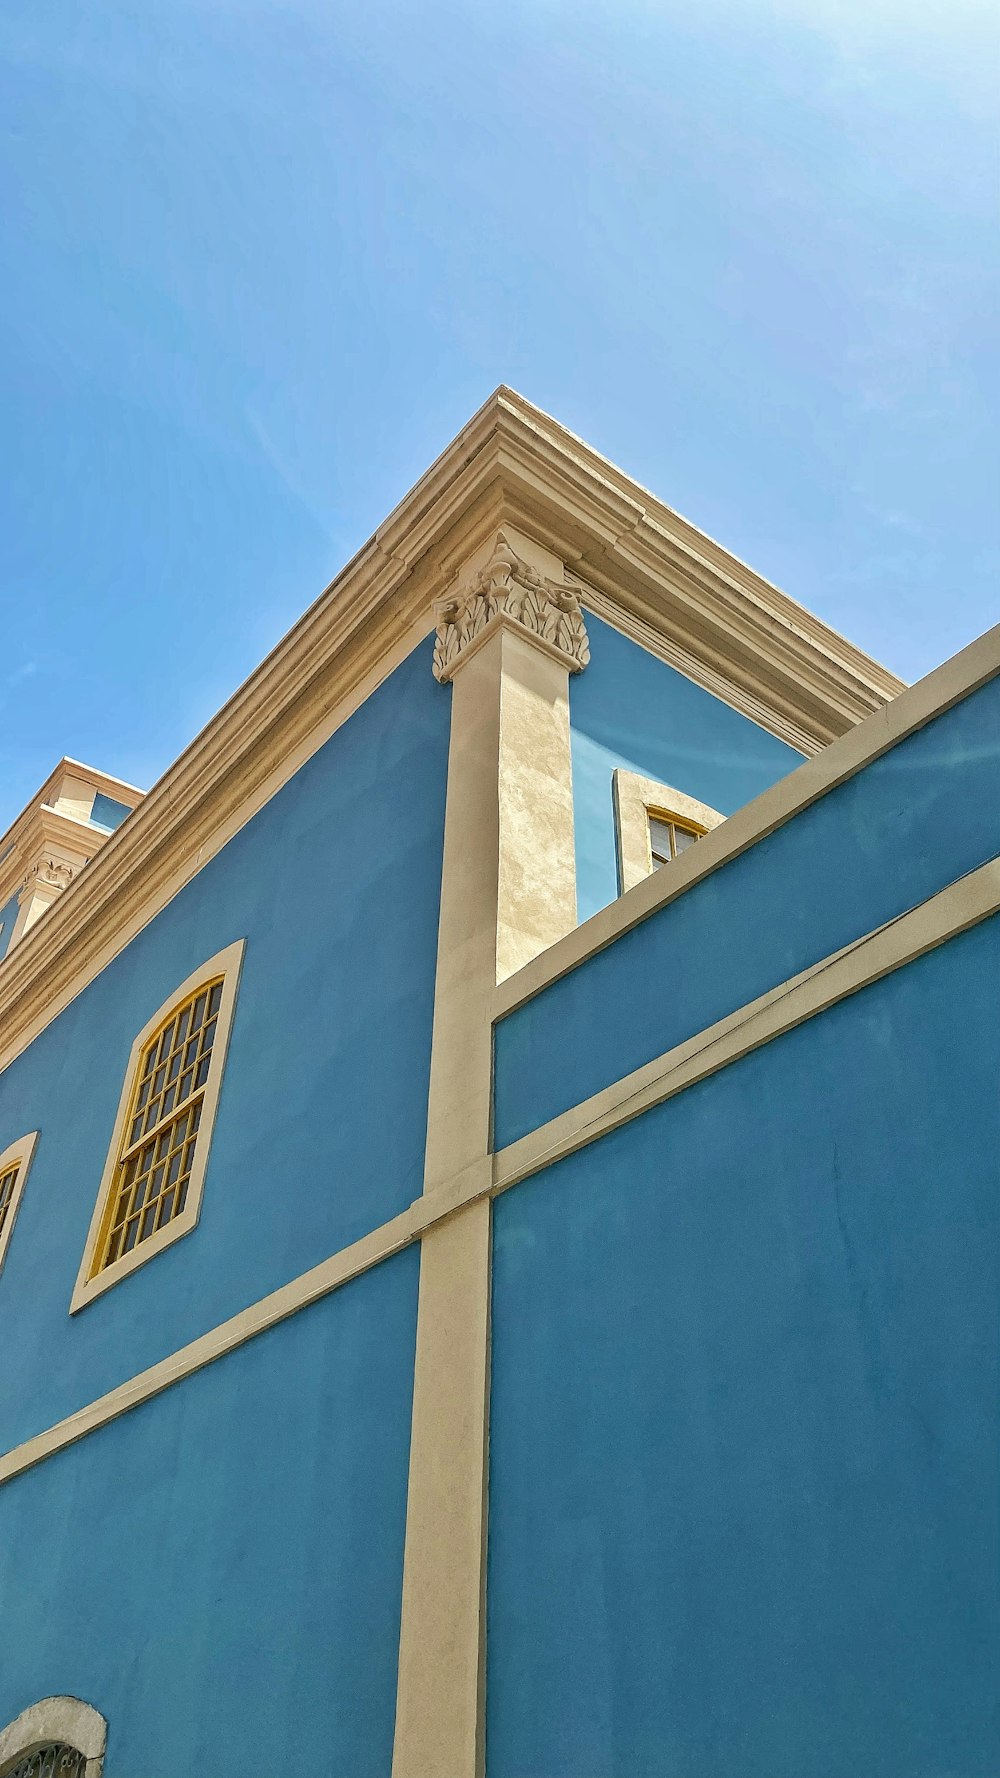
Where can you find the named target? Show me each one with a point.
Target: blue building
(498, 1184)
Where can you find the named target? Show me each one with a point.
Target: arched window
(56, 1738)
(14, 1163)
(151, 1189)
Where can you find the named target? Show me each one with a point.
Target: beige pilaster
(46, 882)
(508, 640)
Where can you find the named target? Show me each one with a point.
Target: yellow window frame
(636, 799)
(15, 1160)
(153, 1179)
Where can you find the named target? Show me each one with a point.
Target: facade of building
(498, 1186)
(53, 838)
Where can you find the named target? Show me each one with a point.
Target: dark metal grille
(54, 1760)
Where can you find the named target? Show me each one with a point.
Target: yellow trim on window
(636, 800)
(667, 818)
(151, 1187)
(14, 1163)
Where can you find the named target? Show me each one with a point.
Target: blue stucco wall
(108, 813)
(8, 915)
(320, 1130)
(631, 710)
(906, 826)
(220, 1571)
(743, 1421)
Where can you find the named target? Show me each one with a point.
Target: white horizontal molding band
(900, 941)
(913, 709)
(309, 1287)
(510, 464)
(953, 910)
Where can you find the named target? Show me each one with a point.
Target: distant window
(14, 1163)
(151, 1190)
(668, 838)
(654, 824)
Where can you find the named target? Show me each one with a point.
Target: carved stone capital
(508, 591)
(51, 873)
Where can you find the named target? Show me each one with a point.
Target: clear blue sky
(261, 261)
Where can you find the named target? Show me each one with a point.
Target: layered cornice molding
(630, 558)
(509, 591)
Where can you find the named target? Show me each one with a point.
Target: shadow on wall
(631, 710)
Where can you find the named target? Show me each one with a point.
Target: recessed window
(151, 1190)
(8, 1180)
(654, 824)
(152, 1177)
(14, 1163)
(668, 838)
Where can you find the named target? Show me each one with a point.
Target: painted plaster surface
(220, 1571)
(912, 822)
(629, 709)
(743, 1440)
(320, 1129)
(107, 812)
(8, 915)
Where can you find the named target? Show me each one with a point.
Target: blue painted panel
(108, 813)
(320, 1130)
(743, 1418)
(8, 915)
(220, 1571)
(910, 823)
(629, 709)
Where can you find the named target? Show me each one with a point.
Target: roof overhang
(636, 562)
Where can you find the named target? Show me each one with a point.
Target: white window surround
(66, 1721)
(635, 798)
(17, 1154)
(226, 963)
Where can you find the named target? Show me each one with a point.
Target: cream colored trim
(508, 590)
(511, 465)
(508, 877)
(48, 792)
(650, 637)
(52, 839)
(963, 904)
(125, 885)
(442, 1647)
(89, 1284)
(508, 889)
(635, 799)
(843, 759)
(64, 1720)
(20, 1151)
(226, 1337)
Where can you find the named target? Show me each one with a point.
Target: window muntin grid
(153, 1171)
(668, 837)
(8, 1180)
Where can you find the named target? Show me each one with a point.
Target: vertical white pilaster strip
(508, 890)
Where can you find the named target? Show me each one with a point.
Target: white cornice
(39, 827)
(69, 768)
(651, 570)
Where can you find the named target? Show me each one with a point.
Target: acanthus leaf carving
(53, 873)
(509, 588)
